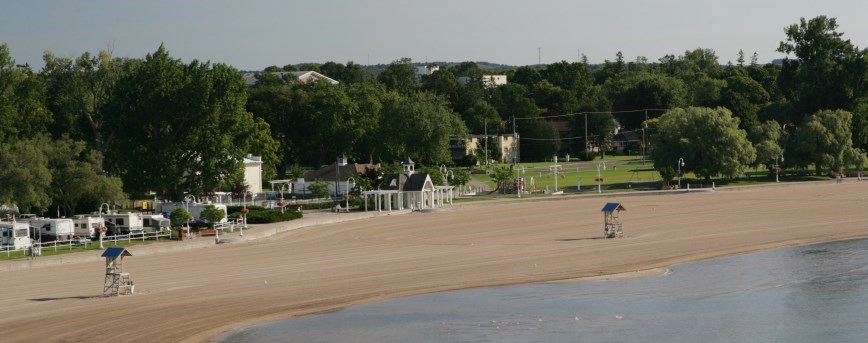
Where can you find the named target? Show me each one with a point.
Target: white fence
(69, 244)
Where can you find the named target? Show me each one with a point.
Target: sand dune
(193, 295)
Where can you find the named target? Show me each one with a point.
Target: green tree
(708, 140)
(319, 189)
(399, 76)
(419, 125)
(444, 83)
(502, 177)
(829, 72)
(77, 177)
(480, 116)
(461, 177)
(767, 140)
(212, 214)
(824, 140)
(179, 217)
(178, 128)
(25, 175)
(745, 98)
(22, 101)
(79, 92)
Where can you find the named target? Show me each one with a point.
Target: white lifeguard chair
(117, 282)
(612, 221)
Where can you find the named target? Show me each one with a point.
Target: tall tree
(79, 92)
(828, 72)
(25, 175)
(22, 101)
(77, 177)
(708, 140)
(419, 126)
(824, 140)
(179, 128)
(399, 76)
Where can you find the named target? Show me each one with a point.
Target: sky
(254, 34)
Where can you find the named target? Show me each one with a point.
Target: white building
(253, 173)
(488, 81)
(301, 76)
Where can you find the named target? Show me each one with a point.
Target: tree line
(99, 128)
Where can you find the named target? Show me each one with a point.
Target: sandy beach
(194, 295)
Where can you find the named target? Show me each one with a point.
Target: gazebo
(611, 220)
(116, 281)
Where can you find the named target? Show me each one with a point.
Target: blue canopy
(115, 252)
(613, 206)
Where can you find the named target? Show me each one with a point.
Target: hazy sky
(254, 34)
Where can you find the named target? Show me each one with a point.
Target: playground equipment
(116, 281)
(611, 220)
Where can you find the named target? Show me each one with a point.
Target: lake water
(816, 293)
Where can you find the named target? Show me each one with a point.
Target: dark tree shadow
(81, 297)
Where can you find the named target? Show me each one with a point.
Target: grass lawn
(65, 249)
(629, 174)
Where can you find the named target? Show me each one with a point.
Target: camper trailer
(15, 236)
(87, 226)
(155, 222)
(53, 229)
(124, 223)
(194, 209)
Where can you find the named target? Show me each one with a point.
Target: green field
(630, 173)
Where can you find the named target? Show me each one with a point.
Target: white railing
(71, 243)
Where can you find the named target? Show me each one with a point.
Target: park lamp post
(778, 167)
(680, 164)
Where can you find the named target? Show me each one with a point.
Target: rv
(194, 209)
(155, 222)
(124, 223)
(51, 229)
(87, 226)
(15, 236)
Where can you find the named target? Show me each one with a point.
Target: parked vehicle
(51, 229)
(15, 236)
(88, 226)
(155, 223)
(124, 223)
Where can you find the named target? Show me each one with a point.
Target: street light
(778, 167)
(680, 164)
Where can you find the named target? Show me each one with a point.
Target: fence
(70, 244)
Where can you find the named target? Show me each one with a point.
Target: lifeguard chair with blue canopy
(612, 221)
(117, 282)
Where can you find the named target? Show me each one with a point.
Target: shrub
(261, 215)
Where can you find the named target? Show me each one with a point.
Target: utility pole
(586, 137)
(515, 157)
(539, 56)
(486, 144)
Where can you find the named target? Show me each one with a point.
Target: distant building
(627, 142)
(339, 172)
(426, 70)
(253, 173)
(473, 143)
(302, 76)
(488, 81)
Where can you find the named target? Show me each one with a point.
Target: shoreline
(197, 295)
